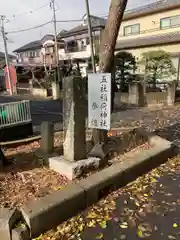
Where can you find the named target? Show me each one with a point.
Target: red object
(13, 75)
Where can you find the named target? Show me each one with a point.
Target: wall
(39, 92)
(149, 25)
(78, 55)
(63, 55)
(172, 49)
(153, 98)
(29, 60)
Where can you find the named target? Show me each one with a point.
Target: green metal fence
(15, 113)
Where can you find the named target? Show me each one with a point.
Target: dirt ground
(28, 179)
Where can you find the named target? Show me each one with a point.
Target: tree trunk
(107, 48)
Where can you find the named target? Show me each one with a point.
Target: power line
(31, 28)
(44, 24)
(29, 12)
(69, 21)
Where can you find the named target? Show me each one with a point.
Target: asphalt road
(152, 214)
(50, 110)
(148, 208)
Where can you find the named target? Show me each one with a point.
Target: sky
(23, 14)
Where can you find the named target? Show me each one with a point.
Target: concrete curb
(24, 141)
(49, 211)
(8, 217)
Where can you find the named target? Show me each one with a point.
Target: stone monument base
(74, 169)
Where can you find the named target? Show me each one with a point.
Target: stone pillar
(55, 90)
(137, 94)
(31, 85)
(47, 138)
(133, 93)
(74, 118)
(171, 93)
(142, 101)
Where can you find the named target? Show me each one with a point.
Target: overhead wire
(31, 28)
(43, 24)
(29, 12)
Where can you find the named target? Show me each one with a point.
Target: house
(37, 53)
(152, 27)
(76, 40)
(12, 58)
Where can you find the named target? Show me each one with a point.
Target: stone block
(145, 161)
(74, 118)
(46, 213)
(157, 140)
(55, 90)
(171, 93)
(7, 220)
(47, 137)
(20, 233)
(133, 93)
(75, 169)
(101, 183)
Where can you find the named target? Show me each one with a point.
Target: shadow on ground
(171, 133)
(153, 213)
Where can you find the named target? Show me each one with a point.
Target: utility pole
(2, 17)
(52, 4)
(90, 35)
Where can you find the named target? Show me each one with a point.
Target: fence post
(47, 138)
(171, 93)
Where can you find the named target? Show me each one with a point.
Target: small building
(77, 45)
(37, 53)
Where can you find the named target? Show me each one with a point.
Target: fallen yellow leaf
(175, 225)
(103, 224)
(137, 204)
(140, 233)
(99, 236)
(124, 225)
(91, 215)
(81, 227)
(91, 224)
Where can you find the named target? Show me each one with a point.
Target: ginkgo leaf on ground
(175, 225)
(103, 224)
(99, 236)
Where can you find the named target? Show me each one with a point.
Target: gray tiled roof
(78, 29)
(173, 37)
(34, 44)
(151, 8)
(83, 28)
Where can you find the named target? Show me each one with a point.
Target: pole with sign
(99, 101)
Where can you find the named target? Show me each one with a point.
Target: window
(32, 54)
(170, 22)
(132, 29)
